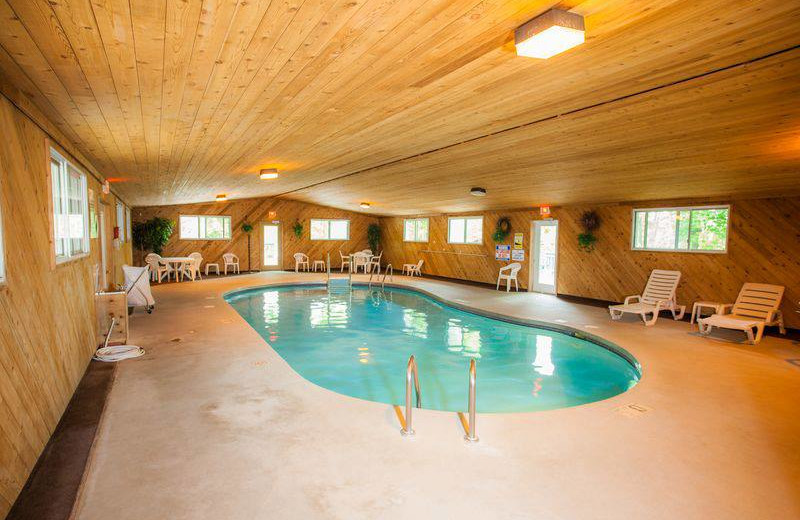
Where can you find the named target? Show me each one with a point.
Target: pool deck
(213, 424)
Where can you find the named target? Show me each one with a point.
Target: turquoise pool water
(358, 344)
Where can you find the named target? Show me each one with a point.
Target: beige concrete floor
(213, 424)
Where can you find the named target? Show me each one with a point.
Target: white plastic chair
(232, 261)
(509, 273)
(413, 269)
(300, 260)
(375, 262)
(756, 307)
(360, 259)
(345, 261)
(157, 270)
(658, 295)
(193, 268)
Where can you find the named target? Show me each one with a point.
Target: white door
(271, 257)
(544, 253)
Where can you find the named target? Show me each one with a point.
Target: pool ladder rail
(412, 375)
(387, 272)
(349, 286)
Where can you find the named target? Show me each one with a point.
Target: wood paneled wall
(459, 261)
(47, 325)
(256, 211)
(763, 246)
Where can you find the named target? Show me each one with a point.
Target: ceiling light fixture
(549, 34)
(364, 205)
(478, 192)
(269, 173)
(222, 197)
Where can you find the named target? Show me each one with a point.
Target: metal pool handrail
(411, 370)
(471, 436)
(388, 272)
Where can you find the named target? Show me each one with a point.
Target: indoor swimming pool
(358, 342)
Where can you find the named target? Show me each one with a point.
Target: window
(698, 229)
(465, 230)
(94, 228)
(415, 230)
(70, 209)
(323, 229)
(128, 224)
(205, 227)
(121, 220)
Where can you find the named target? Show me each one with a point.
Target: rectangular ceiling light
(549, 34)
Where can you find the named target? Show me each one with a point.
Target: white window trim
(328, 221)
(465, 218)
(2, 241)
(54, 154)
(681, 208)
(180, 228)
(416, 229)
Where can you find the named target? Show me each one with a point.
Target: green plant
(586, 242)
(374, 236)
(502, 229)
(152, 235)
(298, 228)
(589, 222)
(247, 228)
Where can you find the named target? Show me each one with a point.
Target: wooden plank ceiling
(408, 103)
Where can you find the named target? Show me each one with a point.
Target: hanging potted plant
(502, 229)
(298, 228)
(589, 222)
(247, 227)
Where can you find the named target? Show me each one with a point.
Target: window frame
(64, 173)
(416, 221)
(2, 240)
(230, 227)
(678, 209)
(465, 219)
(328, 222)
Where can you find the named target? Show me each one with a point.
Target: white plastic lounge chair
(300, 260)
(509, 273)
(231, 261)
(413, 269)
(193, 269)
(755, 308)
(375, 263)
(157, 270)
(658, 295)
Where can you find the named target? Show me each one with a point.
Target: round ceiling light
(478, 192)
(364, 205)
(269, 173)
(222, 197)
